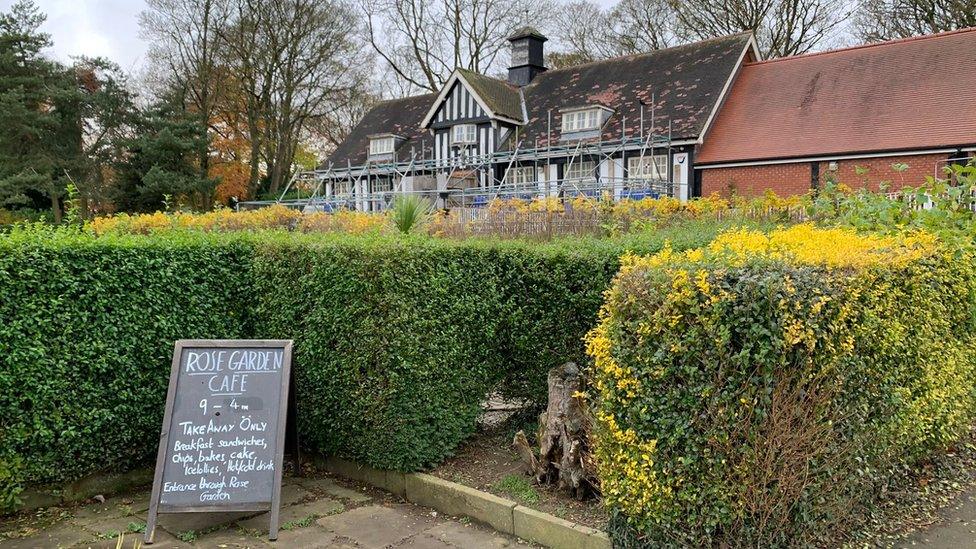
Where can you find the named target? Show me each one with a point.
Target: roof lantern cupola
(528, 56)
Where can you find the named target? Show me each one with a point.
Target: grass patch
(518, 487)
(188, 536)
(303, 523)
(109, 534)
(136, 527)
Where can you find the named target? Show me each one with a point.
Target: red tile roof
(910, 94)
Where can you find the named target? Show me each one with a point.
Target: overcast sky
(100, 28)
(105, 28)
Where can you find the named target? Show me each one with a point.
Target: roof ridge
(883, 43)
(646, 53)
(482, 75)
(404, 98)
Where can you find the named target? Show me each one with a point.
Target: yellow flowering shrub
(757, 391)
(343, 221)
(272, 217)
(627, 214)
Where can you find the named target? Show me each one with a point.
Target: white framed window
(645, 167)
(382, 184)
(464, 134)
(521, 176)
(380, 145)
(576, 121)
(342, 188)
(580, 171)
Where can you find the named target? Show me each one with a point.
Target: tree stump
(564, 449)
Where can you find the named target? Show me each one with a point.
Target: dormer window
(582, 120)
(381, 145)
(464, 134)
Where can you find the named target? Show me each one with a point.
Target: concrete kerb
(104, 483)
(456, 499)
(391, 481)
(545, 529)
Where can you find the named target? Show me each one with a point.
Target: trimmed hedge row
(762, 391)
(400, 343)
(86, 329)
(397, 340)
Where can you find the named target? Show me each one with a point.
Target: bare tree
(262, 69)
(782, 27)
(183, 37)
(644, 25)
(584, 32)
(247, 55)
(878, 20)
(423, 41)
(319, 68)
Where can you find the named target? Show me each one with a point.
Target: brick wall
(789, 179)
(874, 171)
(784, 179)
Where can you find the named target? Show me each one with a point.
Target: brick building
(625, 127)
(685, 121)
(892, 113)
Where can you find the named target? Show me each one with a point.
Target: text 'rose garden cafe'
(222, 441)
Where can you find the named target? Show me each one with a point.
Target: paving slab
(295, 513)
(468, 535)
(294, 493)
(313, 537)
(423, 541)
(177, 523)
(62, 535)
(330, 487)
(231, 539)
(375, 526)
(340, 525)
(95, 512)
(130, 540)
(112, 526)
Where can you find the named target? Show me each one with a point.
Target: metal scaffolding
(473, 181)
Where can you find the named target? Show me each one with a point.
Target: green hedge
(86, 329)
(397, 340)
(763, 392)
(398, 344)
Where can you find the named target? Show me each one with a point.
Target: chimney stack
(528, 56)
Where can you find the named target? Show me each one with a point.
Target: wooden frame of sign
(225, 368)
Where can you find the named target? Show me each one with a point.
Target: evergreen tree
(163, 162)
(108, 117)
(38, 113)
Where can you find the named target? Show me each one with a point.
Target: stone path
(957, 528)
(316, 512)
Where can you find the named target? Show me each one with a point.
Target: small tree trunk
(56, 207)
(564, 428)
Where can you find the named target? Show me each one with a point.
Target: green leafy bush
(762, 391)
(394, 343)
(86, 330)
(397, 339)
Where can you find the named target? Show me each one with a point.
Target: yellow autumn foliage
(697, 355)
(272, 217)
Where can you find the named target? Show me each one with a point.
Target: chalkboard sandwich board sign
(222, 442)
